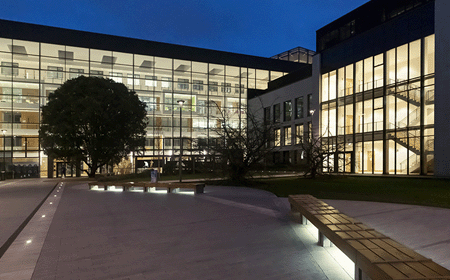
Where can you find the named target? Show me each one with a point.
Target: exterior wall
(442, 126)
(316, 88)
(30, 70)
(409, 26)
(287, 129)
(379, 112)
(377, 92)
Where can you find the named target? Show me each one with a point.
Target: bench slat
(437, 268)
(368, 243)
(420, 267)
(392, 271)
(394, 251)
(126, 186)
(371, 255)
(376, 254)
(408, 270)
(413, 254)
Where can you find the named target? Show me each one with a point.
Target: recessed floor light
(28, 241)
(43, 216)
(51, 202)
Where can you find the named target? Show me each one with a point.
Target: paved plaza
(18, 199)
(226, 233)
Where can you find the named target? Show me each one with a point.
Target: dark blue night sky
(259, 27)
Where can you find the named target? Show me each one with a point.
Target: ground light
(347, 264)
(141, 189)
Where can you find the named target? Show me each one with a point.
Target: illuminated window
(12, 94)
(132, 77)
(299, 132)
(237, 86)
(183, 84)
(287, 111)
(277, 137)
(299, 107)
(214, 86)
(54, 72)
(150, 102)
(116, 76)
(96, 73)
(16, 141)
(201, 108)
(150, 81)
(226, 87)
(276, 113)
(11, 117)
(75, 72)
(310, 132)
(309, 104)
(166, 82)
(9, 68)
(197, 85)
(287, 136)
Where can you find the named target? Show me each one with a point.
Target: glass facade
(32, 70)
(377, 114)
(297, 54)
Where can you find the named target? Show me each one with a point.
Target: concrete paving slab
(226, 233)
(20, 259)
(115, 235)
(18, 199)
(423, 229)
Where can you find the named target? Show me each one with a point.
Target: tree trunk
(237, 173)
(93, 169)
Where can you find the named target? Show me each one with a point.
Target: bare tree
(316, 150)
(241, 145)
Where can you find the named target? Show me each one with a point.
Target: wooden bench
(375, 255)
(198, 188)
(101, 185)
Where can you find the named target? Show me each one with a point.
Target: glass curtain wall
(32, 70)
(378, 113)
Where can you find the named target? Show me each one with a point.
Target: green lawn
(426, 191)
(430, 192)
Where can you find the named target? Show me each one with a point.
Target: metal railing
(414, 162)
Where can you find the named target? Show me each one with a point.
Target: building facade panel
(377, 103)
(408, 26)
(286, 110)
(442, 126)
(32, 69)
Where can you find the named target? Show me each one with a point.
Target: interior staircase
(401, 136)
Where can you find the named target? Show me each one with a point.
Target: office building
(35, 60)
(377, 89)
(287, 107)
(380, 81)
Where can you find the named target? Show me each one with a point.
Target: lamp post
(180, 167)
(311, 112)
(4, 159)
